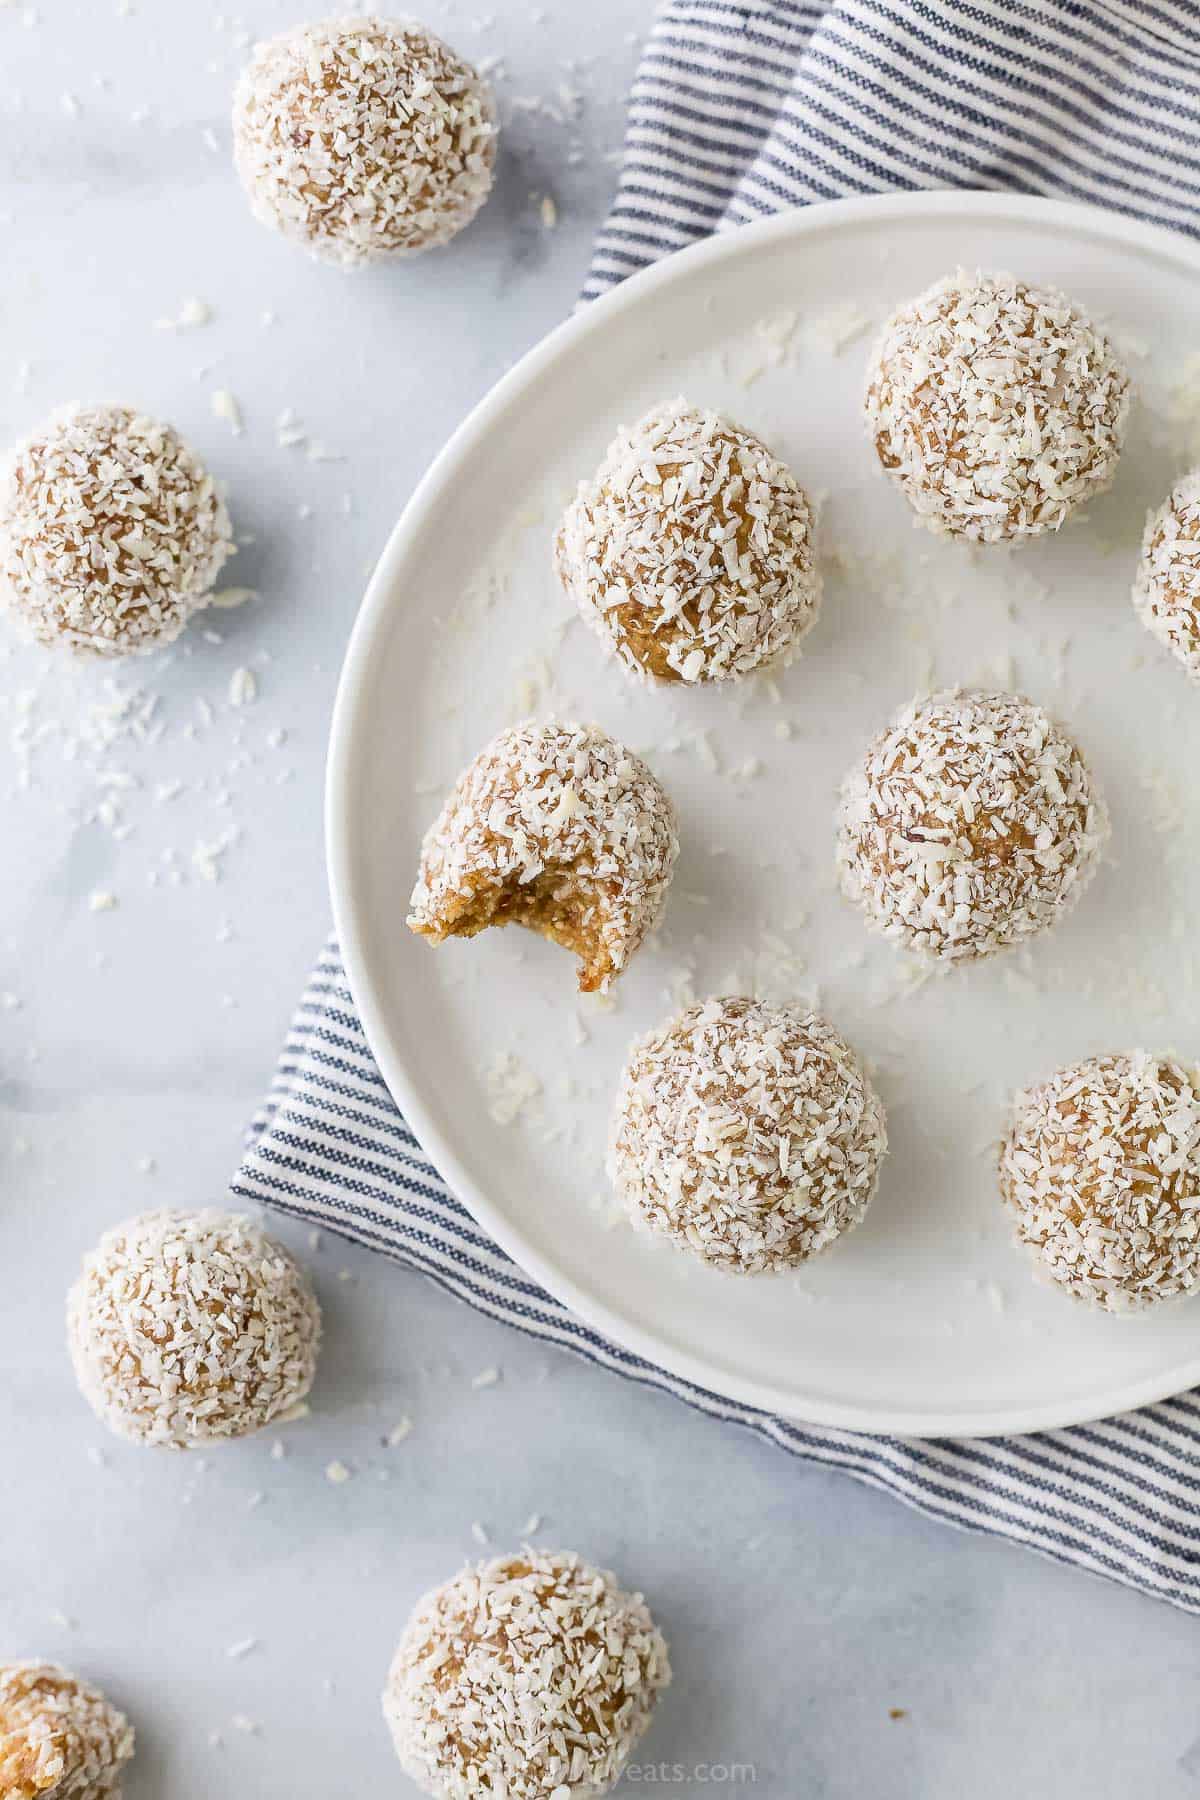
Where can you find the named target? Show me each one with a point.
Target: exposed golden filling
(556, 904)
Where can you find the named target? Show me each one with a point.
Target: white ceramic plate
(926, 1320)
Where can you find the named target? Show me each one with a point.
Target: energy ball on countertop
(532, 1676)
(1101, 1170)
(972, 823)
(1166, 592)
(363, 138)
(997, 407)
(748, 1133)
(690, 553)
(189, 1327)
(111, 532)
(59, 1738)
(556, 827)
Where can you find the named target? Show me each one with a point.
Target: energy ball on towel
(111, 532)
(972, 823)
(532, 1676)
(997, 407)
(1166, 592)
(556, 827)
(189, 1327)
(691, 551)
(363, 138)
(1101, 1170)
(59, 1738)
(747, 1133)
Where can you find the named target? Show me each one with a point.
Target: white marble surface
(801, 1607)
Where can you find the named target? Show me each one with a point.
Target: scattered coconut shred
(972, 823)
(691, 551)
(532, 1676)
(748, 1133)
(557, 827)
(1101, 1170)
(1166, 592)
(997, 407)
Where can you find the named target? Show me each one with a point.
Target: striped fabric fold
(740, 110)
(330, 1147)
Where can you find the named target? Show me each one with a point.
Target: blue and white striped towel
(738, 111)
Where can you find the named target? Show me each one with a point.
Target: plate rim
(372, 618)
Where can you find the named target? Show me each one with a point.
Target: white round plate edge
(371, 620)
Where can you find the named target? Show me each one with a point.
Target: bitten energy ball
(971, 823)
(748, 1133)
(556, 827)
(59, 1738)
(1101, 1170)
(111, 532)
(532, 1676)
(996, 407)
(691, 551)
(1166, 593)
(363, 138)
(189, 1327)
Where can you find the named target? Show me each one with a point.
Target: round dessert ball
(972, 823)
(111, 532)
(363, 138)
(186, 1328)
(1101, 1170)
(997, 407)
(690, 553)
(749, 1134)
(59, 1738)
(1166, 592)
(558, 828)
(532, 1676)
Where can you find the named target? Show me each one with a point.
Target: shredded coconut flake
(747, 1133)
(972, 823)
(530, 1676)
(1101, 1170)
(363, 138)
(998, 408)
(111, 532)
(185, 1328)
(59, 1738)
(1166, 592)
(557, 827)
(691, 552)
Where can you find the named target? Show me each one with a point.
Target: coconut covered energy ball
(186, 1328)
(59, 1738)
(558, 828)
(1166, 592)
(363, 138)
(690, 552)
(996, 407)
(749, 1134)
(972, 823)
(532, 1676)
(1101, 1171)
(112, 532)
